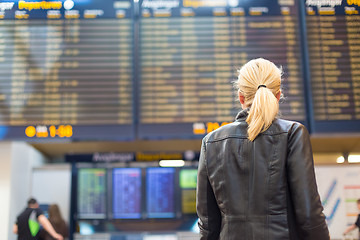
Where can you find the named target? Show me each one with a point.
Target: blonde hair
(259, 82)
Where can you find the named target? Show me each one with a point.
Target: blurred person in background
(27, 225)
(256, 177)
(357, 222)
(57, 222)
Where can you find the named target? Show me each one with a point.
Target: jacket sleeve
(206, 205)
(303, 189)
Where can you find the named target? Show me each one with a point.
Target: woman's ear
(278, 95)
(241, 98)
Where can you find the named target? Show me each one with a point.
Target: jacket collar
(242, 115)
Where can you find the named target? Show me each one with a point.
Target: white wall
(16, 164)
(5, 184)
(51, 184)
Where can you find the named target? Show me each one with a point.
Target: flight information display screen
(333, 35)
(155, 69)
(188, 178)
(126, 193)
(189, 55)
(91, 199)
(66, 70)
(160, 194)
(187, 182)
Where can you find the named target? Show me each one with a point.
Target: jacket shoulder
(235, 129)
(283, 126)
(238, 129)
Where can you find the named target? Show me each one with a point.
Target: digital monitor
(188, 178)
(333, 37)
(66, 70)
(189, 56)
(188, 201)
(91, 199)
(126, 193)
(187, 181)
(160, 199)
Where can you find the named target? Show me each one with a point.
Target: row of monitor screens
(136, 193)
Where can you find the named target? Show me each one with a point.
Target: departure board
(333, 35)
(91, 202)
(127, 193)
(66, 70)
(188, 180)
(160, 192)
(190, 52)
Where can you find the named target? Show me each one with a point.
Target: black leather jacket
(264, 189)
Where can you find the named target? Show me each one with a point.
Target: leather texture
(259, 190)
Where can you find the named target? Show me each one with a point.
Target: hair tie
(261, 86)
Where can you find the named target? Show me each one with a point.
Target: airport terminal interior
(104, 103)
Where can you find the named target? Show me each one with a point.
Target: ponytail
(262, 113)
(259, 82)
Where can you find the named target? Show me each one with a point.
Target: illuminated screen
(91, 193)
(160, 192)
(127, 193)
(69, 68)
(155, 69)
(188, 201)
(188, 180)
(190, 53)
(333, 36)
